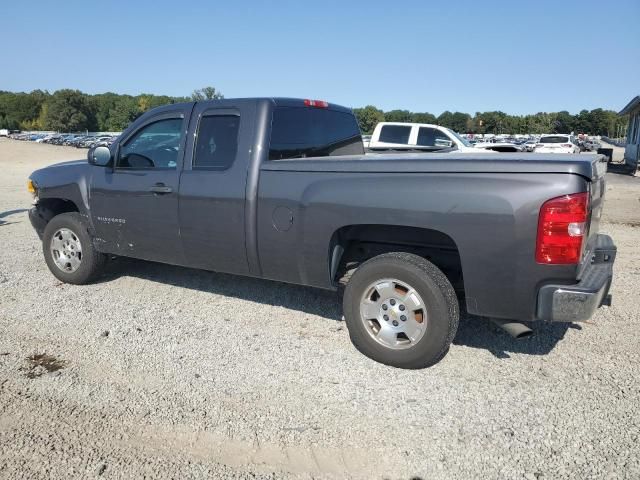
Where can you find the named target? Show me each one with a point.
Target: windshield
(464, 141)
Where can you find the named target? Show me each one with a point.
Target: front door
(134, 205)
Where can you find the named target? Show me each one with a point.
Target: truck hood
(590, 166)
(60, 174)
(66, 164)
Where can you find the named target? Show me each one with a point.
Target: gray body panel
(276, 219)
(492, 218)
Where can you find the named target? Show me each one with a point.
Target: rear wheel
(68, 250)
(401, 310)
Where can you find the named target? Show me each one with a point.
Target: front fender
(67, 181)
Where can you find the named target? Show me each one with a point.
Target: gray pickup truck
(281, 189)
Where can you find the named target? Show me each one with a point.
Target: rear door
(134, 205)
(213, 183)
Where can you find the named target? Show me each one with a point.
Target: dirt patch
(41, 363)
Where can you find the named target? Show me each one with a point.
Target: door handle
(161, 188)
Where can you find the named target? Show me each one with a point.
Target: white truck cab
(418, 136)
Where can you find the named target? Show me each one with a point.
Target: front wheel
(68, 250)
(401, 310)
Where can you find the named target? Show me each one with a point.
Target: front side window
(432, 137)
(395, 134)
(154, 146)
(217, 142)
(300, 132)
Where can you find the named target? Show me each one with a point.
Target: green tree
(455, 121)
(206, 93)
(368, 117)
(68, 111)
(563, 122)
(398, 116)
(423, 118)
(122, 114)
(104, 103)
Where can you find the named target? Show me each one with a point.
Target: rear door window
(300, 132)
(216, 142)
(395, 134)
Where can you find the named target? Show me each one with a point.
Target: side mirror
(99, 156)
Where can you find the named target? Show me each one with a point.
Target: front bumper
(577, 303)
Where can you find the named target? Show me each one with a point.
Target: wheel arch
(352, 245)
(50, 207)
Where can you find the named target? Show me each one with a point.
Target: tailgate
(597, 187)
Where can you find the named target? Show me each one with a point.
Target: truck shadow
(9, 213)
(308, 300)
(478, 332)
(475, 332)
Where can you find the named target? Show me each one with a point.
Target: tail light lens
(562, 228)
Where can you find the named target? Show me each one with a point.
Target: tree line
(74, 111)
(593, 122)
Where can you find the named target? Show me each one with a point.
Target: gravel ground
(161, 371)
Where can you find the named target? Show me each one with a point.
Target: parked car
(85, 142)
(98, 141)
(591, 145)
(529, 145)
(71, 139)
(400, 136)
(60, 139)
(44, 138)
(107, 142)
(281, 189)
(499, 147)
(557, 143)
(53, 139)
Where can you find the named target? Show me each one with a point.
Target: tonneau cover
(590, 166)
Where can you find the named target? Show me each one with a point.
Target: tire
(88, 262)
(428, 335)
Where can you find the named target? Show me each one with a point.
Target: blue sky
(515, 56)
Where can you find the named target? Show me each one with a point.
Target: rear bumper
(577, 303)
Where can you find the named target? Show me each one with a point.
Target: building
(632, 149)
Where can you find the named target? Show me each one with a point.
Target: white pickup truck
(418, 136)
(427, 137)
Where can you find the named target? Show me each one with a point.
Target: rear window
(313, 132)
(395, 134)
(555, 139)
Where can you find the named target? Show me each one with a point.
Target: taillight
(562, 227)
(316, 103)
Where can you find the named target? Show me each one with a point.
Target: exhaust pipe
(515, 329)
